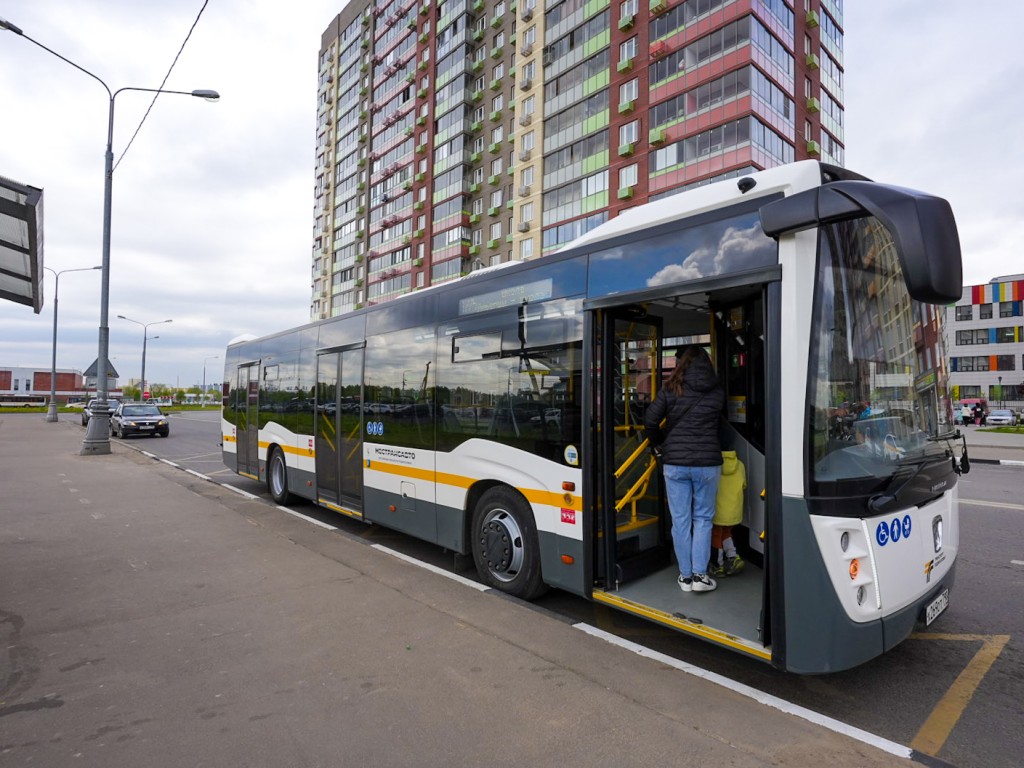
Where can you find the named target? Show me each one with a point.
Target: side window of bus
(398, 405)
(516, 380)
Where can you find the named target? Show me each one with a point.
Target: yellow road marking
(936, 729)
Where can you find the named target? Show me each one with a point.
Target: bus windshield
(878, 379)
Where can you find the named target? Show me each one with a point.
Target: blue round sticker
(895, 530)
(882, 534)
(906, 526)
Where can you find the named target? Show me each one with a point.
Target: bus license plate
(935, 608)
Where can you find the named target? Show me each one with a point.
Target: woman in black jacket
(691, 402)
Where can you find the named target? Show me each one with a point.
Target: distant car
(87, 411)
(1001, 417)
(139, 419)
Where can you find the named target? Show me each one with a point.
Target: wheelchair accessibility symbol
(893, 531)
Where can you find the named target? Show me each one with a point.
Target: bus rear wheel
(277, 478)
(505, 546)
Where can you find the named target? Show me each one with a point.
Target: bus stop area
(151, 617)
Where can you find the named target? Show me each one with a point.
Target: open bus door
(633, 530)
(635, 570)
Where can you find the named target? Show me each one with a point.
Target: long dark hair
(674, 383)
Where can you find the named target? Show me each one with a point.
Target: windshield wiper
(889, 499)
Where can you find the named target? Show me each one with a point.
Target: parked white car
(1001, 417)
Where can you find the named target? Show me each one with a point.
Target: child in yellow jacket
(728, 512)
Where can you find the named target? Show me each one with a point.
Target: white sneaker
(703, 583)
(685, 584)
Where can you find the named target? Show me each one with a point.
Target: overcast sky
(213, 203)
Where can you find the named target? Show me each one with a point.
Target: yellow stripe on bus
(342, 510)
(229, 439)
(684, 625)
(534, 496)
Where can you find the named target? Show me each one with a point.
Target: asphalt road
(955, 691)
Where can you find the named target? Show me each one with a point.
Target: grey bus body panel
(820, 637)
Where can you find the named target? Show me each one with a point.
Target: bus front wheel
(505, 547)
(277, 478)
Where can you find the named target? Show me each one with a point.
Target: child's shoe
(733, 565)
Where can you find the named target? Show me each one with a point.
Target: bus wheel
(505, 547)
(277, 478)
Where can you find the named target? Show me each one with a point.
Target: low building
(985, 342)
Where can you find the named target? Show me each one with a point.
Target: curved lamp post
(51, 408)
(215, 357)
(97, 435)
(145, 338)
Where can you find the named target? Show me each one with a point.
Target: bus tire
(505, 545)
(277, 478)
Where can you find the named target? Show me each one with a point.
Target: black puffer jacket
(690, 436)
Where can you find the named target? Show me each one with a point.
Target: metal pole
(142, 391)
(51, 408)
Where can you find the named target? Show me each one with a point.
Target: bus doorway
(247, 421)
(634, 353)
(339, 431)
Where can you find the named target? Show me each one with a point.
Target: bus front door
(634, 532)
(339, 431)
(247, 421)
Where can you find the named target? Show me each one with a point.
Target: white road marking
(433, 568)
(996, 504)
(240, 492)
(307, 518)
(1017, 562)
(752, 693)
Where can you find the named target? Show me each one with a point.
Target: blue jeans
(691, 499)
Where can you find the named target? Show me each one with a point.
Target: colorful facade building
(461, 134)
(985, 342)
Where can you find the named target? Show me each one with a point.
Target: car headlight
(937, 533)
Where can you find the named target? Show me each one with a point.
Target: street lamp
(215, 357)
(51, 408)
(145, 338)
(97, 436)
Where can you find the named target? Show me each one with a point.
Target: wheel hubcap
(501, 541)
(277, 476)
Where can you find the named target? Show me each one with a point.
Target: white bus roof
(788, 179)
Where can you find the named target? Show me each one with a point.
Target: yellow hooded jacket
(729, 504)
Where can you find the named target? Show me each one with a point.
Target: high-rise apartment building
(460, 134)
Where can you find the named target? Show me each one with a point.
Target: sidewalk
(986, 447)
(149, 617)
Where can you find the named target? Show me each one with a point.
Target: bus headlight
(860, 594)
(937, 533)
(844, 541)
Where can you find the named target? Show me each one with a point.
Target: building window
(627, 50)
(526, 212)
(527, 176)
(495, 230)
(985, 311)
(1007, 335)
(526, 248)
(628, 8)
(965, 312)
(629, 133)
(1004, 362)
(1006, 308)
(628, 176)
(529, 105)
(527, 140)
(628, 91)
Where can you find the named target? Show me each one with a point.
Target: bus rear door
(339, 430)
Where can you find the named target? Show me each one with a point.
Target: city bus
(14, 400)
(500, 415)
